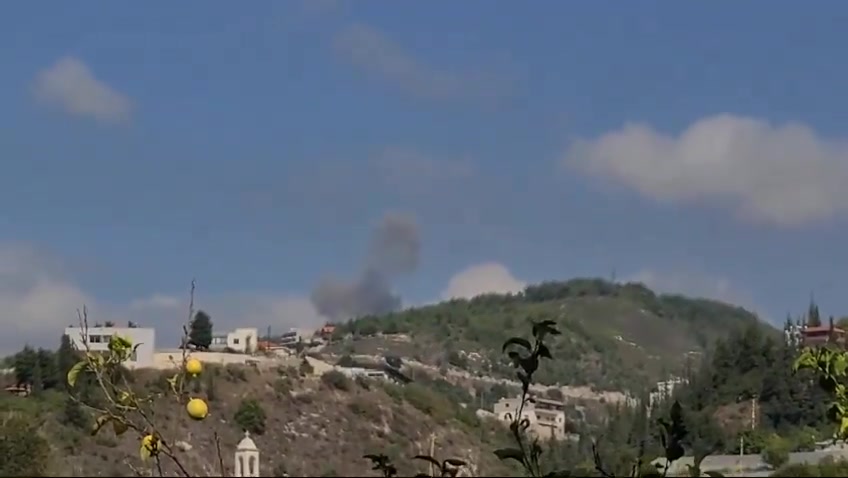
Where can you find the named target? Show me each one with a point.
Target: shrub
(251, 416)
(336, 380)
(211, 391)
(363, 382)
(776, 451)
(428, 401)
(282, 387)
(306, 368)
(23, 450)
(236, 373)
(366, 409)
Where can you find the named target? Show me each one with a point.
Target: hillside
(312, 427)
(615, 336)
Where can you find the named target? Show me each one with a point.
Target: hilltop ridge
(621, 337)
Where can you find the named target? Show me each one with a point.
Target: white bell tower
(247, 457)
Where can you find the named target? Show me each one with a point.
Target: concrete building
(243, 340)
(546, 417)
(291, 338)
(98, 340)
(354, 372)
(663, 391)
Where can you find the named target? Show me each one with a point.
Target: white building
(546, 417)
(242, 340)
(663, 391)
(353, 372)
(98, 340)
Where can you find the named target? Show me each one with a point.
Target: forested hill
(615, 336)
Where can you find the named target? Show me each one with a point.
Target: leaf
(843, 427)
(455, 462)
(74, 372)
(99, 423)
(530, 365)
(517, 341)
(674, 452)
(543, 328)
(118, 343)
(510, 453)
(432, 460)
(544, 352)
(714, 474)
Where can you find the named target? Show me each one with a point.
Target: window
(235, 341)
(95, 339)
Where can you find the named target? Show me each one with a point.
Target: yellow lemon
(197, 409)
(193, 366)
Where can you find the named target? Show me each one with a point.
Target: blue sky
(694, 147)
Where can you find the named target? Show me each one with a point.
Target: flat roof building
(98, 341)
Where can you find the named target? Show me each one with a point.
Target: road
(753, 465)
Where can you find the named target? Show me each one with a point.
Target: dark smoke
(393, 251)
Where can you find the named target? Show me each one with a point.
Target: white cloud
(784, 174)
(696, 285)
(37, 302)
(372, 51)
(71, 86)
(155, 301)
(485, 278)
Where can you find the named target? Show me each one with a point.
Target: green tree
(250, 416)
(813, 317)
(200, 334)
(48, 368)
(26, 364)
(66, 356)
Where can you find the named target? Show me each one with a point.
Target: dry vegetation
(312, 426)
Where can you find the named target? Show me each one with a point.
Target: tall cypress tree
(813, 317)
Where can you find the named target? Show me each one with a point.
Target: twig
(596, 457)
(220, 456)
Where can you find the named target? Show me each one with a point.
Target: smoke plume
(393, 251)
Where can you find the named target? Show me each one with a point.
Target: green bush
(776, 451)
(428, 401)
(826, 467)
(23, 451)
(251, 416)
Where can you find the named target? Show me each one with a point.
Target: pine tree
(66, 357)
(25, 364)
(200, 334)
(813, 318)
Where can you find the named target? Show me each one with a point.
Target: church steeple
(246, 457)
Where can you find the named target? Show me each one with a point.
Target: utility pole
(753, 412)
